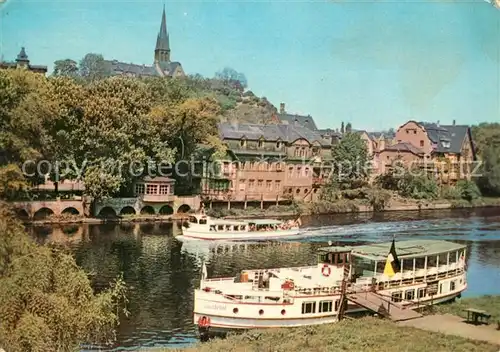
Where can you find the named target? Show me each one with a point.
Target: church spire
(162, 50)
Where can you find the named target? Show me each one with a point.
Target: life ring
(291, 285)
(326, 271)
(203, 322)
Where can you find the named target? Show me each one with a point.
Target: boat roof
(226, 222)
(264, 221)
(404, 249)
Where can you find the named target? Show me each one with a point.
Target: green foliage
(230, 75)
(46, 301)
(12, 182)
(92, 67)
(65, 67)
(468, 190)
(350, 161)
(451, 193)
(328, 207)
(409, 184)
(487, 144)
(378, 199)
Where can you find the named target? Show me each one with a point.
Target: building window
(290, 171)
(407, 131)
(414, 131)
(396, 296)
(297, 191)
(278, 145)
(251, 184)
(306, 172)
(325, 306)
(421, 143)
(305, 191)
(164, 189)
(277, 185)
(261, 143)
(299, 171)
(452, 285)
(421, 292)
(243, 143)
(410, 295)
(308, 307)
(139, 188)
(269, 185)
(259, 183)
(152, 189)
(297, 151)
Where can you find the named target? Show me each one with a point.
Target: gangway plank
(381, 305)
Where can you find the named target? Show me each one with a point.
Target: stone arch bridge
(132, 206)
(38, 210)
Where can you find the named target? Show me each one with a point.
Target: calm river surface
(162, 272)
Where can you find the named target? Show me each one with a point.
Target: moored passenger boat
(203, 227)
(391, 279)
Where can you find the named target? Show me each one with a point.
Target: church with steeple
(162, 65)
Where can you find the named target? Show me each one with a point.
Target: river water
(162, 273)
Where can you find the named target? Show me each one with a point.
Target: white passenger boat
(345, 280)
(203, 227)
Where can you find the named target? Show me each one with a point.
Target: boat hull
(221, 326)
(240, 236)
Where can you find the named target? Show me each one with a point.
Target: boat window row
(222, 228)
(323, 306)
(422, 292)
(366, 267)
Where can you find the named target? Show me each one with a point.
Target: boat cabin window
(308, 307)
(325, 306)
(338, 258)
(220, 228)
(193, 220)
(203, 221)
(419, 263)
(453, 257)
(421, 292)
(431, 261)
(363, 267)
(410, 295)
(397, 296)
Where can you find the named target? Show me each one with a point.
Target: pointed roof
(22, 55)
(162, 41)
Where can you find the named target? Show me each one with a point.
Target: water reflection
(163, 272)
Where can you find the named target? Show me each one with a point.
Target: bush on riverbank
(46, 300)
(365, 334)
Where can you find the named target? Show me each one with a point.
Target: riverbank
(281, 211)
(370, 334)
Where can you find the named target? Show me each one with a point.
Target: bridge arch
(70, 211)
(184, 208)
(22, 214)
(166, 210)
(43, 213)
(128, 210)
(148, 210)
(107, 212)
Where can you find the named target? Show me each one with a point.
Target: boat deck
(378, 304)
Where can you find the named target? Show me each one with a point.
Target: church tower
(162, 50)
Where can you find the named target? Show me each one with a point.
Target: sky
(375, 64)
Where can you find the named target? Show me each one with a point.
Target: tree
(92, 67)
(350, 161)
(348, 128)
(342, 128)
(12, 182)
(46, 301)
(65, 67)
(228, 74)
(489, 181)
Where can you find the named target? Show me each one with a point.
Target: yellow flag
(389, 270)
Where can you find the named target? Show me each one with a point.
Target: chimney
(454, 122)
(282, 108)
(437, 123)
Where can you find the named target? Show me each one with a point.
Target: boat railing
(218, 279)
